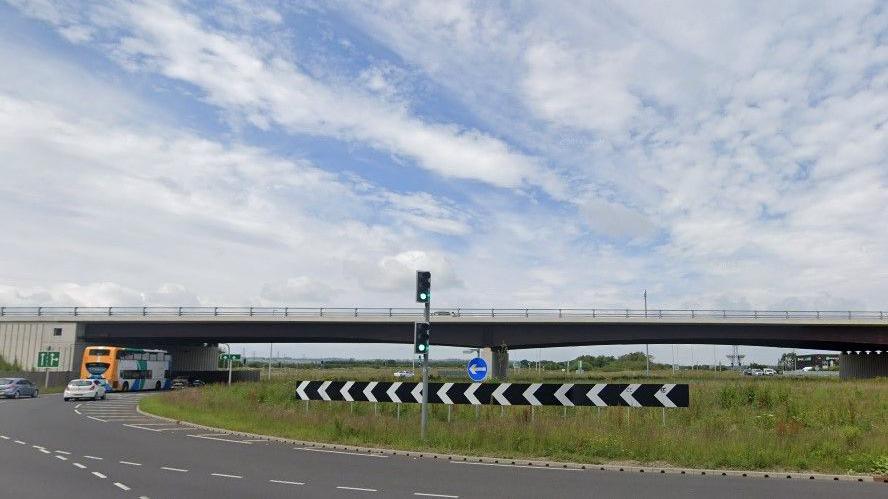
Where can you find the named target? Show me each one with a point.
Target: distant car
(13, 388)
(179, 383)
(84, 389)
(197, 382)
(758, 372)
(404, 374)
(443, 313)
(769, 372)
(807, 369)
(747, 372)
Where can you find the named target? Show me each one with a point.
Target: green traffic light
(422, 348)
(423, 296)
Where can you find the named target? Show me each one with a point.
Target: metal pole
(270, 353)
(673, 359)
(424, 416)
(647, 352)
(46, 381)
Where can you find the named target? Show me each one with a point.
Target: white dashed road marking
(63, 458)
(96, 473)
(357, 488)
(130, 463)
(94, 457)
(341, 452)
(223, 475)
(220, 439)
(4, 437)
(173, 469)
(97, 419)
(434, 495)
(63, 452)
(79, 466)
(121, 486)
(286, 482)
(20, 442)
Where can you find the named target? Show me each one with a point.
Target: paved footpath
(51, 448)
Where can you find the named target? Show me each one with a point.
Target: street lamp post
(228, 349)
(647, 352)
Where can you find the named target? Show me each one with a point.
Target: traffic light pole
(424, 415)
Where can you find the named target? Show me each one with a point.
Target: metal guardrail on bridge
(377, 313)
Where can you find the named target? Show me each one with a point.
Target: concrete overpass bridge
(861, 336)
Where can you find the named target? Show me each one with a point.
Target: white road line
(516, 466)
(97, 419)
(44, 451)
(79, 466)
(130, 463)
(20, 442)
(78, 406)
(220, 439)
(341, 452)
(424, 494)
(94, 457)
(38, 446)
(121, 486)
(63, 458)
(180, 470)
(223, 475)
(286, 482)
(358, 488)
(78, 412)
(63, 452)
(4, 437)
(96, 473)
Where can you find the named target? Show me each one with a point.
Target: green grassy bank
(789, 424)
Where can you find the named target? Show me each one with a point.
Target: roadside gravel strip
(523, 463)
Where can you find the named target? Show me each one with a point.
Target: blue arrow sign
(477, 369)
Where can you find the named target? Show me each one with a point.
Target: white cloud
(395, 273)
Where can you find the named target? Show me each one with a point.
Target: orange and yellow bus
(127, 369)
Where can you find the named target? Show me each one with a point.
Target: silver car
(13, 388)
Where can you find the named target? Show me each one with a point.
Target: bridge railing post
(849, 315)
(144, 311)
(2, 311)
(593, 313)
(75, 311)
(492, 313)
(526, 314)
(692, 314)
(787, 314)
(356, 311)
(660, 313)
(559, 314)
(109, 311)
(39, 310)
(755, 314)
(251, 311)
(627, 313)
(286, 311)
(818, 314)
(322, 311)
(179, 311)
(390, 311)
(215, 311)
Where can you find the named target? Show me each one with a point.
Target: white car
(404, 374)
(84, 389)
(769, 372)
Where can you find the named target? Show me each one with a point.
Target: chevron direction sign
(567, 394)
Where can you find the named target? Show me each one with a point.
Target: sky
(535, 154)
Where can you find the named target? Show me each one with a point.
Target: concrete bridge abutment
(854, 365)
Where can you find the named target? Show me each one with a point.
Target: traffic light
(422, 332)
(423, 286)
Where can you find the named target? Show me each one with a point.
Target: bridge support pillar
(863, 365)
(498, 360)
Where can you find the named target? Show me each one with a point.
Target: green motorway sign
(48, 359)
(229, 356)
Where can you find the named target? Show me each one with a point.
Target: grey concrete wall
(21, 341)
(56, 378)
(863, 365)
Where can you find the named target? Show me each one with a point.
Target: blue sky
(542, 155)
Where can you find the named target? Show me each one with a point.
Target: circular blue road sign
(477, 369)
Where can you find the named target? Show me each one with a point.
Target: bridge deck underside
(513, 335)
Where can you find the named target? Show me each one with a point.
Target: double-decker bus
(127, 369)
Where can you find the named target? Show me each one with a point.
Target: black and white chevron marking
(567, 394)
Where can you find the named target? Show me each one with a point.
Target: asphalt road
(50, 448)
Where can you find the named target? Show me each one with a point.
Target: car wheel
(103, 396)
(15, 395)
(34, 395)
(66, 399)
(125, 387)
(96, 396)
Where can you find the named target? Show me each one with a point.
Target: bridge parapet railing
(417, 313)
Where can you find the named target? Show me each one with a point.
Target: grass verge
(819, 425)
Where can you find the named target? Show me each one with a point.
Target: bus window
(99, 351)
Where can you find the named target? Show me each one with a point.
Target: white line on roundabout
(285, 482)
(167, 468)
(425, 494)
(129, 463)
(121, 486)
(223, 475)
(96, 473)
(357, 488)
(79, 466)
(94, 458)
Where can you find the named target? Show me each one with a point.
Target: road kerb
(784, 475)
